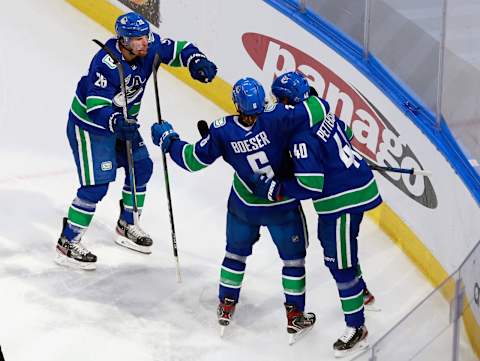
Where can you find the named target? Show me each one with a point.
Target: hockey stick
(131, 167)
(156, 65)
(202, 127)
(421, 172)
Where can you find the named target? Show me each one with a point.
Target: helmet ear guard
(248, 96)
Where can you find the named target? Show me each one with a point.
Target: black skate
(132, 236)
(299, 323)
(73, 254)
(351, 342)
(369, 301)
(225, 311)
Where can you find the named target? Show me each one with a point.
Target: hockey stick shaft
(131, 166)
(156, 64)
(400, 170)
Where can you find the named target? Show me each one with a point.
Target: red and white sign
(374, 137)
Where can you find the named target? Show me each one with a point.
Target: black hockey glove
(201, 68)
(121, 128)
(266, 188)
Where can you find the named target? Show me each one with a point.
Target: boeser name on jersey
(250, 144)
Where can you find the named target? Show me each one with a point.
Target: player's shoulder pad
(104, 68)
(273, 107)
(218, 123)
(102, 60)
(325, 104)
(106, 61)
(165, 41)
(316, 99)
(154, 38)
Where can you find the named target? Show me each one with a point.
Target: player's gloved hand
(123, 129)
(201, 68)
(264, 187)
(163, 135)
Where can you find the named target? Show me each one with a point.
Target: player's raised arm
(191, 157)
(180, 53)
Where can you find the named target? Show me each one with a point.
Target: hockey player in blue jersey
(97, 131)
(253, 142)
(328, 170)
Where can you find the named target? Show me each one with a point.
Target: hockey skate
(369, 301)
(132, 236)
(225, 312)
(351, 342)
(299, 323)
(73, 254)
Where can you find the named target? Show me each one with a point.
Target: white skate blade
(223, 327)
(65, 261)
(295, 337)
(355, 350)
(125, 242)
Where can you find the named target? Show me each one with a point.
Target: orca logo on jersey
(374, 137)
(134, 88)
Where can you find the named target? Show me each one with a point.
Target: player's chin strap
(122, 45)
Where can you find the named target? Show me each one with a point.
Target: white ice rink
(131, 308)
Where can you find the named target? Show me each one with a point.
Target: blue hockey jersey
(98, 94)
(328, 170)
(260, 148)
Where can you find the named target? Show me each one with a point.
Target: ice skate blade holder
(127, 243)
(65, 261)
(357, 349)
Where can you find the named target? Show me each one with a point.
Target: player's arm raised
(191, 157)
(184, 54)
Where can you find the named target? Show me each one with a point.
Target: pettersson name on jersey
(250, 144)
(326, 127)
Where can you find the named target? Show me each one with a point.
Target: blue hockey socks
(80, 215)
(293, 281)
(127, 198)
(350, 289)
(231, 277)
